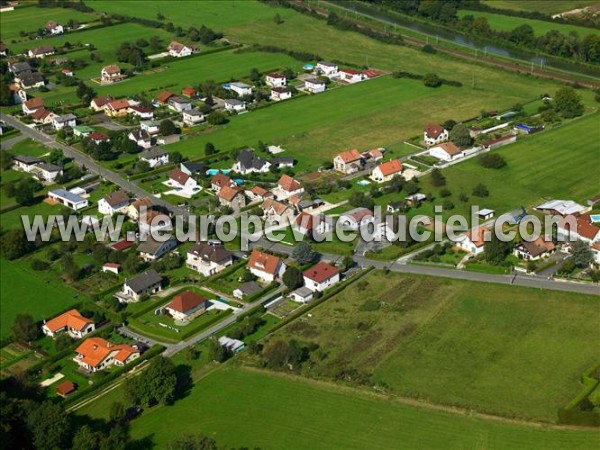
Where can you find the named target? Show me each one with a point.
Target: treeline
(554, 42)
(429, 79)
(79, 6)
(299, 56)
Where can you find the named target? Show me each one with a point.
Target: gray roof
(212, 253)
(140, 135)
(117, 198)
(49, 167)
(240, 85)
(250, 160)
(20, 67)
(282, 160)
(193, 112)
(154, 152)
(314, 81)
(303, 292)
(194, 167)
(151, 246)
(179, 100)
(144, 281)
(31, 78)
(249, 288)
(27, 159)
(66, 118)
(67, 195)
(234, 102)
(327, 63)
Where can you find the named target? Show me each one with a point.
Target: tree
(49, 426)
(191, 353)
(24, 328)
(292, 278)
(218, 352)
(167, 127)
(279, 354)
(347, 263)
(117, 412)
(155, 385)
(216, 118)
(481, 190)
(437, 178)
(492, 161)
(567, 103)
(361, 200)
(254, 75)
(142, 166)
(449, 124)
(495, 250)
(460, 136)
(14, 244)
(176, 157)
(62, 342)
(304, 253)
(86, 439)
(277, 19)
(25, 191)
(432, 80)
(523, 34)
(209, 149)
(582, 254)
(192, 442)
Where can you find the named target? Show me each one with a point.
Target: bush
(492, 161)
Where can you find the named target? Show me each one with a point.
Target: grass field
(25, 291)
(501, 22)
(408, 333)
(326, 416)
(546, 6)
(31, 18)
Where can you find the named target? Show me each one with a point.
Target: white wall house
(314, 85)
(113, 203)
(276, 80)
(434, 134)
(68, 198)
(321, 276)
(266, 267)
(327, 68)
(155, 157)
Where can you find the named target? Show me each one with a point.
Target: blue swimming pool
(595, 217)
(213, 172)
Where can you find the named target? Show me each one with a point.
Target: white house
(192, 117)
(473, 241)
(181, 180)
(234, 105)
(143, 112)
(146, 283)
(155, 156)
(276, 80)
(70, 322)
(249, 162)
(32, 105)
(579, 228)
(350, 75)
(446, 151)
(151, 250)
(533, 251)
(266, 267)
(46, 173)
(321, 276)
(111, 74)
(386, 171)
(314, 85)
(53, 27)
(434, 134)
(25, 163)
(348, 162)
(179, 104)
(327, 68)
(355, 218)
(302, 295)
(141, 138)
(186, 306)
(179, 50)
(241, 89)
(115, 202)
(68, 198)
(280, 93)
(41, 52)
(274, 210)
(287, 186)
(95, 354)
(67, 120)
(209, 258)
(149, 126)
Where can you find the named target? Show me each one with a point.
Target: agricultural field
(321, 415)
(407, 333)
(501, 22)
(546, 6)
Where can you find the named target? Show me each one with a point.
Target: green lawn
(326, 416)
(545, 6)
(522, 356)
(25, 291)
(501, 22)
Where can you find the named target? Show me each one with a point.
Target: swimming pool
(213, 172)
(595, 217)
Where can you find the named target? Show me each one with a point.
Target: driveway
(559, 260)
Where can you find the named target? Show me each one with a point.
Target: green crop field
(545, 6)
(501, 22)
(242, 408)
(28, 292)
(408, 333)
(31, 18)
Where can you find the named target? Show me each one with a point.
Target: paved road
(7, 144)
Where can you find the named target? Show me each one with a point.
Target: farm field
(501, 22)
(407, 333)
(547, 6)
(28, 292)
(327, 416)
(31, 18)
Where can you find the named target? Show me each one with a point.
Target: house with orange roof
(275, 210)
(186, 306)
(179, 179)
(232, 196)
(116, 108)
(288, 186)
(258, 193)
(321, 276)
(219, 181)
(446, 151)
(473, 241)
(348, 162)
(95, 354)
(111, 74)
(578, 228)
(266, 267)
(434, 134)
(386, 171)
(179, 50)
(308, 224)
(70, 322)
(32, 105)
(533, 251)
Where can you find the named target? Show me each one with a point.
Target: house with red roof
(276, 80)
(446, 151)
(473, 240)
(348, 162)
(95, 354)
(117, 108)
(186, 306)
(434, 134)
(386, 171)
(274, 210)
(179, 50)
(287, 186)
(578, 228)
(70, 322)
(309, 224)
(65, 388)
(32, 105)
(98, 137)
(111, 74)
(232, 196)
(181, 180)
(321, 276)
(98, 103)
(351, 75)
(219, 181)
(533, 251)
(266, 267)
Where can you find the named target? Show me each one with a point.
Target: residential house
(117, 108)
(143, 112)
(279, 93)
(149, 126)
(232, 345)
(241, 89)
(139, 207)
(396, 206)
(249, 162)
(189, 92)
(98, 103)
(19, 67)
(374, 155)
(415, 199)
(70, 322)
(98, 137)
(247, 289)
(321, 276)
(485, 214)
(275, 80)
(46, 172)
(282, 162)
(355, 218)
(43, 116)
(561, 207)
(179, 50)
(151, 250)
(41, 52)
(446, 151)
(82, 130)
(152, 222)
(111, 74)
(434, 134)
(179, 104)
(232, 197)
(287, 186)
(209, 258)
(181, 180)
(302, 295)
(155, 157)
(311, 224)
(95, 354)
(111, 267)
(30, 80)
(113, 203)
(266, 267)
(386, 171)
(219, 181)
(274, 210)
(350, 75)
(327, 68)
(169, 139)
(192, 117)
(25, 163)
(146, 283)
(163, 97)
(141, 138)
(314, 85)
(53, 27)
(68, 198)
(473, 241)
(32, 105)
(258, 193)
(499, 142)
(234, 105)
(579, 228)
(186, 306)
(348, 162)
(192, 168)
(66, 120)
(65, 388)
(533, 251)
(67, 72)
